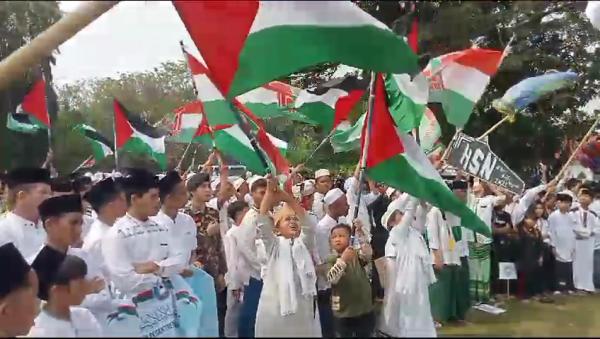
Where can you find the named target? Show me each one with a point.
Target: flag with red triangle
(395, 159)
(135, 135)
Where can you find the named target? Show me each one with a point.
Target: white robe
(269, 321)
(583, 260)
(407, 311)
(82, 324)
(28, 237)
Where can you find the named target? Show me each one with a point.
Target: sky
(132, 36)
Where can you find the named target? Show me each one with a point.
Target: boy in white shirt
(237, 271)
(561, 225)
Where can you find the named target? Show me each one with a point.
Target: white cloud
(132, 36)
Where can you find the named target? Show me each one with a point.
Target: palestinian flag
(187, 120)
(459, 79)
(407, 99)
(32, 114)
(348, 139)
(101, 146)
(137, 136)
(330, 104)
(270, 100)
(247, 44)
(395, 159)
(430, 132)
(233, 142)
(23, 123)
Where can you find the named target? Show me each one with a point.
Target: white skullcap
(237, 183)
(322, 173)
(333, 195)
(390, 191)
(88, 174)
(386, 217)
(309, 188)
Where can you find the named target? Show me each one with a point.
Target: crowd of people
(315, 257)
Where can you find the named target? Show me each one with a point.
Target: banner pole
(27, 56)
(319, 146)
(572, 157)
(365, 146)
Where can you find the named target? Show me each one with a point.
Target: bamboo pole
(572, 157)
(493, 128)
(18, 62)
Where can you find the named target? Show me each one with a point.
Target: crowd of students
(301, 258)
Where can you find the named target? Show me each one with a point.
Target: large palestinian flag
(221, 124)
(249, 43)
(32, 114)
(395, 159)
(101, 146)
(330, 103)
(135, 135)
(459, 79)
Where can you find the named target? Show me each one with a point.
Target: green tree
(21, 21)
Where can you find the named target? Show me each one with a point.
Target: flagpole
(183, 156)
(237, 107)
(82, 164)
(115, 141)
(365, 146)
(195, 92)
(319, 146)
(47, 88)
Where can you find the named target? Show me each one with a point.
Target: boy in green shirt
(351, 290)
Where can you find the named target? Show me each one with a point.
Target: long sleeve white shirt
(132, 241)
(246, 238)
(82, 324)
(529, 197)
(562, 236)
(484, 208)
(595, 206)
(182, 234)
(319, 208)
(323, 244)
(365, 200)
(236, 276)
(27, 236)
(441, 238)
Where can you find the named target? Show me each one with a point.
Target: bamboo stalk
(572, 157)
(18, 62)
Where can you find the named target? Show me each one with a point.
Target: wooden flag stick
(493, 128)
(572, 157)
(18, 62)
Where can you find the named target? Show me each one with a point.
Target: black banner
(477, 159)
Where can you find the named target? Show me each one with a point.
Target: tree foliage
(547, 35)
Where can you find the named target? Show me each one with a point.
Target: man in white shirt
(237, 272)
(336, 211)
(479, 245)
(108, 200)
(323, 184)
(595, 206)
(249, 246)
(136, 249)
(449, 296)
(561, 225)
(587, 227)
(27, 188)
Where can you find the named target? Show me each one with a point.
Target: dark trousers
(326, 313)
(549, 269)
(376, 286)
(597, 268)
(564, 276)
(356, 327)
(247, 318)
(221, 310)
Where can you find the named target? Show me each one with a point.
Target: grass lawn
(568, 316)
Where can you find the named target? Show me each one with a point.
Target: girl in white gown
(407, 311)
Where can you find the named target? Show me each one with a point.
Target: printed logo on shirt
(335, 302)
